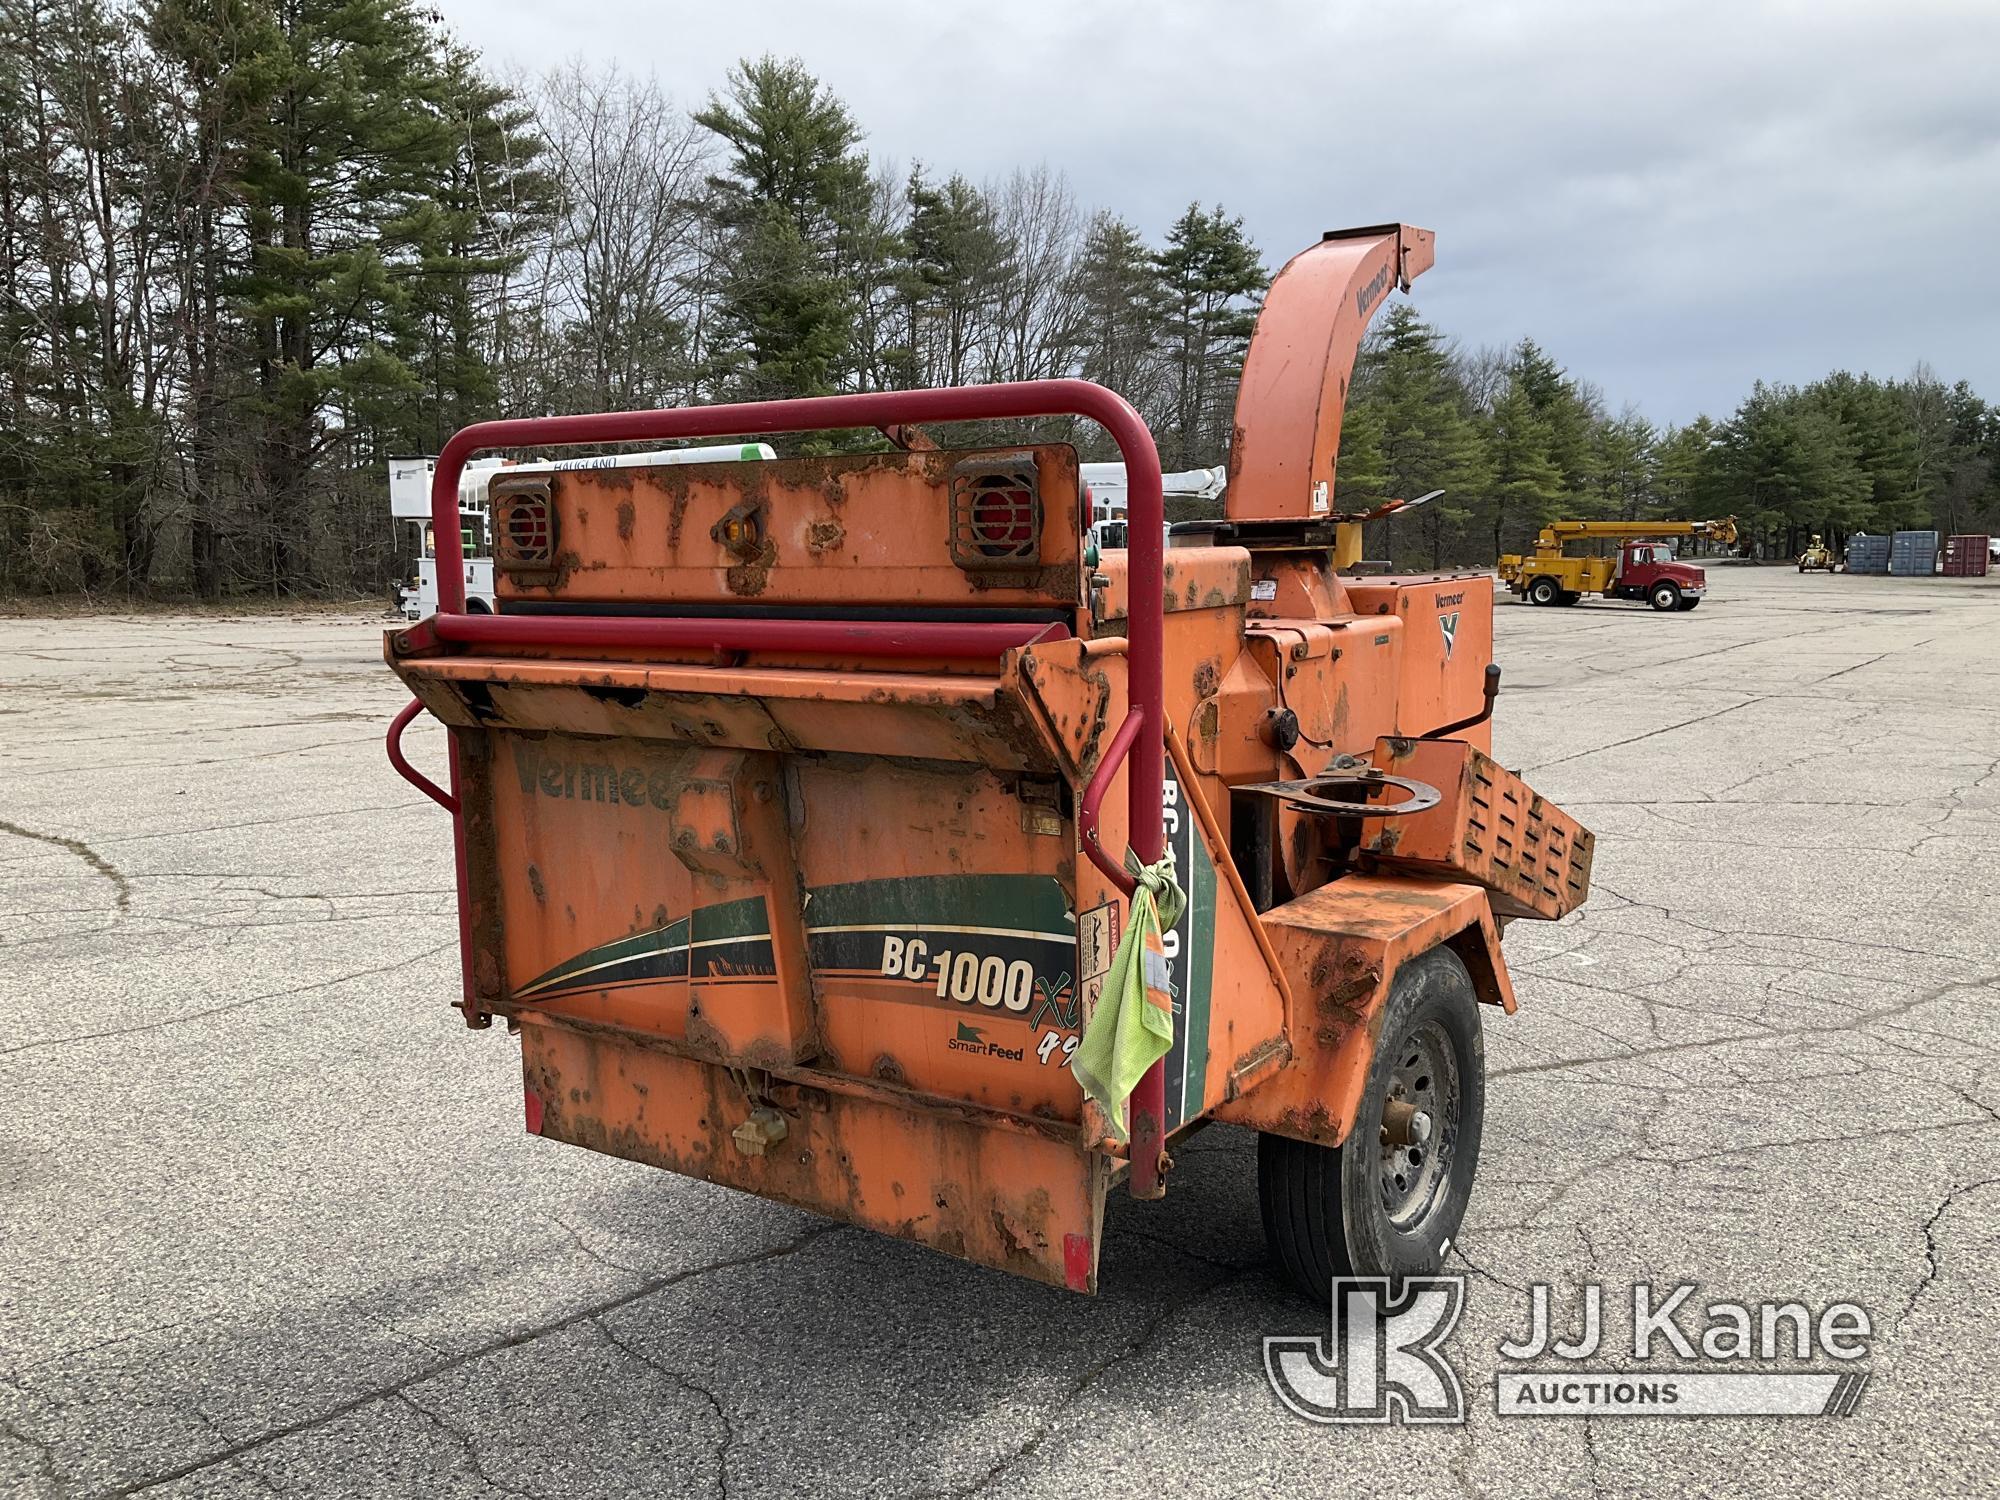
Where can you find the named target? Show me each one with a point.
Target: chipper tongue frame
(792, 802)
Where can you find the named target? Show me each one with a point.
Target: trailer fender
(1341, 947)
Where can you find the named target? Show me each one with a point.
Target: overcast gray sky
(1675, 197)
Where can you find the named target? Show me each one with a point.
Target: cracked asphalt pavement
(269, 1223)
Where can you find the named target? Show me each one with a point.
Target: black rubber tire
(478, 606)
(1687, 604)
(1322, 1205)
(1543, 591)
(1568, 597)
(1664, 596)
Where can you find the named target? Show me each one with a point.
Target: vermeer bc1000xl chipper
(792, 802)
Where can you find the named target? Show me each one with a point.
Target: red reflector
(524, 525)
(1003, 521)
(996, 513)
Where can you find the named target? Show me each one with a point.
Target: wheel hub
(1419, 1126)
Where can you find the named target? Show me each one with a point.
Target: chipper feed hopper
(792, 802)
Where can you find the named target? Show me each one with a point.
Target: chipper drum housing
(792, 800)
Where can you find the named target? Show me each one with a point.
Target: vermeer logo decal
(1449, 625)
(590, 780)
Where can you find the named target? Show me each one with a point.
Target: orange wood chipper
(791, 801)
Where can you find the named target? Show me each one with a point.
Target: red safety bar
(985, 403)
(903, 639)
(409, 772)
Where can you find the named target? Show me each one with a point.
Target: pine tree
(1210, 276)
(1625, 463)
(1570, 418)
(1428, 438)
(1119, 310)
(795, 183)
(955, 272)
(1527, 486)
(465, 234)
(349, 140)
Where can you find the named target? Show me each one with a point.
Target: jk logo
(1449, 625)
(1381, 1362)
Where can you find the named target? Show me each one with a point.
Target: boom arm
(1557, 532)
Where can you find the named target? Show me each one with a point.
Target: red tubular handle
(1093, 801)
(409, 772)
(1146, 558)
(904, 639)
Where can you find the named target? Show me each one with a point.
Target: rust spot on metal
(749, 578)
(535, 884)
(626, 515)
(824, 536)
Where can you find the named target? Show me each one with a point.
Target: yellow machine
(1645, 567)
(1817, 556)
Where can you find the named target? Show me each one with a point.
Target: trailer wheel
(1666, 596)
(1388, 1200)
(1543, 591)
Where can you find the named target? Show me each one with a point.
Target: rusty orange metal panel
(921, 715)
(1009, 1198)
(942, 930)
(1339, 677)
(1489, 826)
(1195, 578)
(1340, 946)
(1448, 640)
(651, 886)
(852, 530)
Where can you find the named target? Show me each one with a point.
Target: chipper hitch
(792, 803)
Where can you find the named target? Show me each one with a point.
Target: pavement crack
(1635, 739)
(464, 1441)
(603, 1260)
(1458, 1249)
(394, 1388)
(1933, 1257)
(45, 1457)
(1092, 1374)
(120, 886)
(226, 1006)
(688, 1383)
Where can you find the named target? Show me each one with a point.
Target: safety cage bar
(1140, 742)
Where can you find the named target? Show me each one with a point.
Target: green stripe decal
(1024, 903)
(656, 942)
(733, 937)
(731, 919)
(1200, 973)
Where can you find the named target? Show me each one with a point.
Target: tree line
(1516, 441)
(250, 249)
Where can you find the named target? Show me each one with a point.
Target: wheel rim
(1414, 1173)
(1663, 597)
